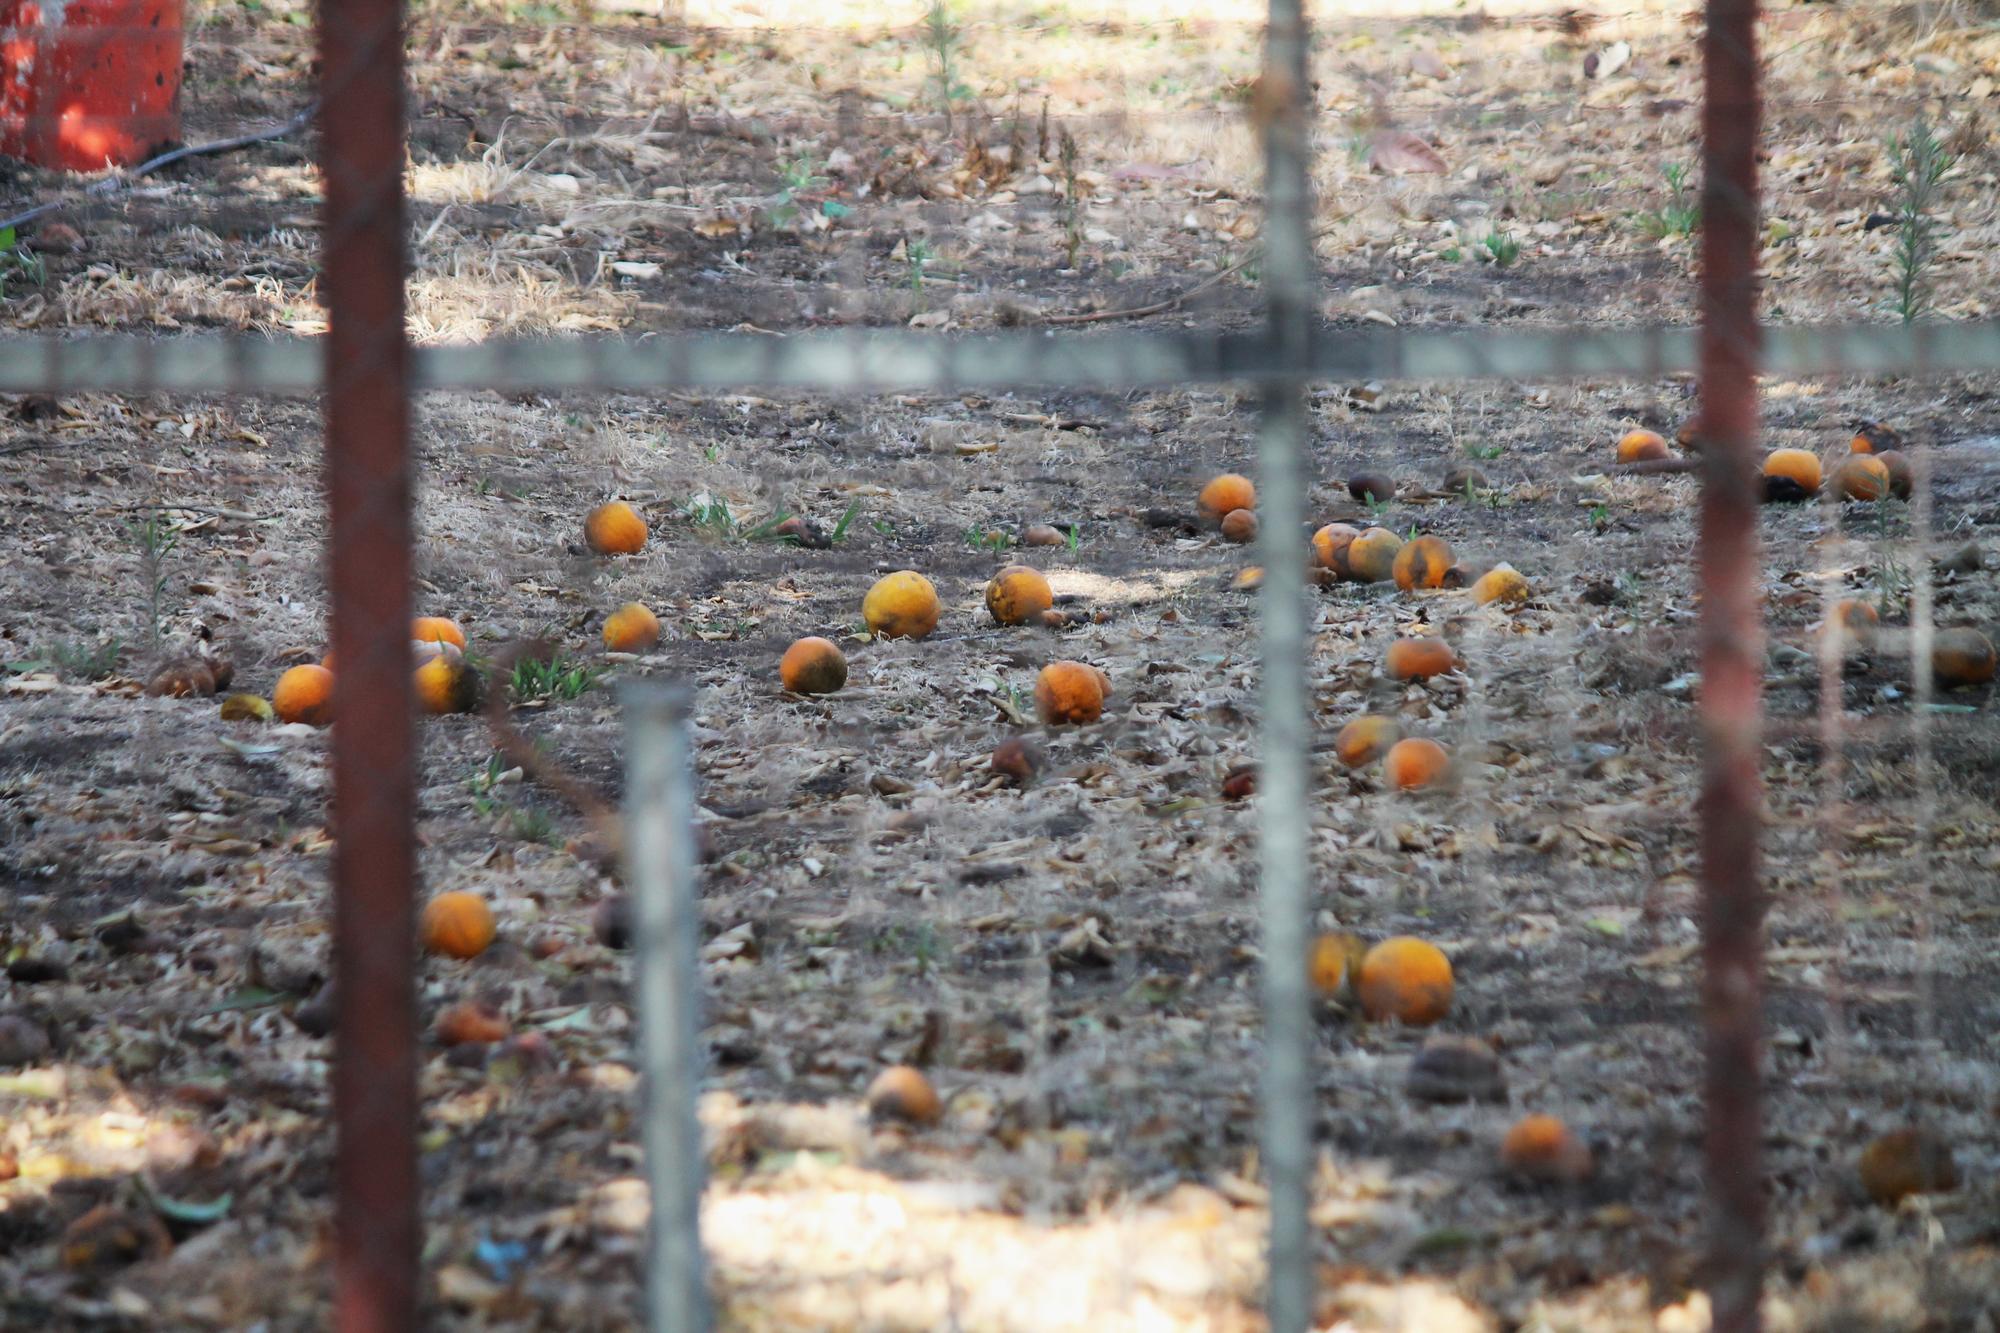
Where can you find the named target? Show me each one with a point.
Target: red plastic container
(89, 84)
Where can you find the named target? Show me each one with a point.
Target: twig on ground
(112, 185)
(1161, 307)
(236, 515)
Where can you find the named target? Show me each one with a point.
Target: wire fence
(369, 377)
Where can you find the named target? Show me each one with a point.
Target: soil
(1075, 962)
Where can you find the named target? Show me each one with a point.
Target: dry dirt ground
(1074, 963)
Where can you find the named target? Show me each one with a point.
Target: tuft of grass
(1484, 452)
(18, 262)
(155, 539)
(916, 254)
(987, 539)
(800, 176)
(1918, 164)
(1500, 248)
(76, 660)
(1073, 539)
(559, 678)
(1680, 215)
(839, 533)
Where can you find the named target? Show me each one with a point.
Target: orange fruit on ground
(1861, 477)
(1415, 762)
(1958, 657)
(1794, 465)
(1854, 616)
(1421, 564)
(304, 694)
(1069, 692)
(902, 605)
(631, 629)
(1227, 492)
(444, 685)
(457, 924)
(1239, 525)
(437, 629)
(1405, 980)
(1365, 739)
(615, 529)
(471, 1024)
(1902, 478)
(813, 666)
(1329, 542)
(1417, 658)
(903, 1093)
(1639, 446)
(1861, 444)
(1335, 962)
(1018, 594)
(1540, 1147)
(1370, 557)
(1502, 583)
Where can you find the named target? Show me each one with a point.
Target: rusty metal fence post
(1284, 780)
(378, 1232)
(1732, 667)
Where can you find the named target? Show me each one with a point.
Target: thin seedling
(1680, 215)
(156, 539)
(558, 677)
(942, 39)
(800, 176)
(1500, 248)
(17, 261)
(1918, 164)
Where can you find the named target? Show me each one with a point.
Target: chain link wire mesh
(922, 355)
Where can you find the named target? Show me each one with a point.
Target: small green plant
(1893, 584)
(916, 254)
(156, 539)
(527, 824)
(712, 515)
(558, 677)
(1072, 207)
(839, 533)
(987, 539)
(1500, 248)
(1376, 506)
(482, 783)
(1073, 538)
(1680, 215)
(942, 40)
(1600, 518)
(1485, 452)
(85, 661)
(800, 176)
(17, 261)
(1451, 254)
(1918, 164)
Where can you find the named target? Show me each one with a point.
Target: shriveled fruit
(813, 665)
(1329, 542)
(1365, 739)
(1961, 657)
(1541, 1147)
(1240, 783)
(1018, 594)
(109, 1237)
(1225, 493)
(184, 679)
(1874, 437)
(1069, 692)
(1016, 760)
(1405, 980)
(458, 924)
(247, 708)
(1905, 1162)
(1239, 525)
(1796, 466)
(1419, 658)
(902, 605)
(471, 1024)
(1415, 762)
(437, 629)
(304, 694)
(1421, 564)
(447, 686)
(1902, 477)
(1334, 965)
(1370, 557)
(903, 1093)
(631, 629)
(1640, 446)
(1041, 534)
(615, 529)
(1371, 488)
(1459, 480)
(1861, 477)
(1502, 583)
(1455, 1069)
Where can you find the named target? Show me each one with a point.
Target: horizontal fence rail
(899, 361)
